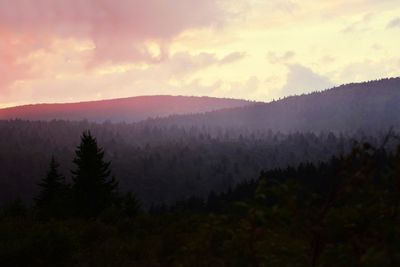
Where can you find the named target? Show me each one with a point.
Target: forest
(160, 164)
(370, 106)
(342, 211)
(316, 186)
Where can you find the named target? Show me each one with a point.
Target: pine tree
(52, 193)
(93, 189)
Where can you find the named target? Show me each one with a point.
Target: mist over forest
(295, 176)
(163, 160)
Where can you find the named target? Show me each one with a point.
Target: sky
(79, 50)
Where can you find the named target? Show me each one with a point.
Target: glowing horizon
(72, 50)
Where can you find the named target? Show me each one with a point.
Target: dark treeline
(342, 212)
(159, 164)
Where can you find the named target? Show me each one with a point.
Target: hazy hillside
(370, 106)
(124, 109)
(159, 164)
(161, 161)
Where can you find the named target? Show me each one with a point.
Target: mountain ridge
(368, 105)
(129, 109)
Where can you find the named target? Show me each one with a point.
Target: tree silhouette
(53, 192)
(93, 189)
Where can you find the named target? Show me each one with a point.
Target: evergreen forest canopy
(166, 159)
(343, 211)
(369, 106)
(159, 164)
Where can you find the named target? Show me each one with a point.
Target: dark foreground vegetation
(344, 212)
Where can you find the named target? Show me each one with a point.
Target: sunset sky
(77, 50)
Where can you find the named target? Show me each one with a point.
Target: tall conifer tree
(53, 189)
(93, 188)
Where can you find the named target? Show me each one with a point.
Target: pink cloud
(10, 50)
(117, 28)
(137, 19)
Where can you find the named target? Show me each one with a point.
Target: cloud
(247, 88)
(10, 68)
(394, 23)
(327, 59)
(370, 69)
(132, 19)
(120, 31)
(232, 57)
(359, 25)
(184, 63)
(301, 79)
(288, 6)
(54, 50)
(65, 77)
(275, 58)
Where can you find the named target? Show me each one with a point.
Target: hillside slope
(369, 106)
(125, 109)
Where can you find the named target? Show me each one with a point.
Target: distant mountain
(124, 109)
(368, 106)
